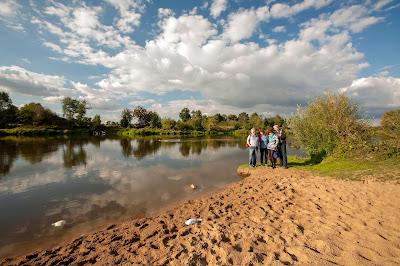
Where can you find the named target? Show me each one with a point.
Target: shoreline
(271, 216)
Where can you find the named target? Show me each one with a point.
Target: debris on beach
(193, 186)
(59, 223)
(192, 221)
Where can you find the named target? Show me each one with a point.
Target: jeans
(271, 158)
(283, 154)
(263, 155)
(252, 156)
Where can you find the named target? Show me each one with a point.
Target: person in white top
(252, 144)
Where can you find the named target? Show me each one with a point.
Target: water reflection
(94, 181)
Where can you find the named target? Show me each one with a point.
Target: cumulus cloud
(9, 11)
(129, 14)
(279, 29)
(189, 52)
(376, 94)
(217, 7)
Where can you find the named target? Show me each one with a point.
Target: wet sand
(280, 216)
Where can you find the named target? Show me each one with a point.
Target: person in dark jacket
(280, 133)
(263, 142)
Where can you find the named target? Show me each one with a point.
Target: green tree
(243, 119)
(36, 114)
(154, 120)
(196, 120)
(331, 122)
(8, 112)
(141, 116)
(96, 121)
(168, 123)
(74, 109)
(184, 115)
(126, 118)
(256, 121)
(232, 118)
(390, 131)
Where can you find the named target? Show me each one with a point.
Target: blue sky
(216, 55)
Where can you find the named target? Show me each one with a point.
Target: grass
(352, 169)
(383, 169)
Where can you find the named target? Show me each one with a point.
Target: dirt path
(270, 217)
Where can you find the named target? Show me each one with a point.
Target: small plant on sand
(330, 124)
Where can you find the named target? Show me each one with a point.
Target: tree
(74, 109)
(126, 117)
(197, 120)
(256, 121)
(390, 131)
(232, 118)
(243, 119)
(328, 123)
(5, 101)
(96, 121)
(36, 114)
(184, 115)
(8, 112)
(141, 115)
(154, 120)
(168, 123)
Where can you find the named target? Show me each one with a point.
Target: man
(252, 144)
(282, 145)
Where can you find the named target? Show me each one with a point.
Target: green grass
(352, 169)
(383, 169)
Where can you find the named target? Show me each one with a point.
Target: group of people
(270, 144)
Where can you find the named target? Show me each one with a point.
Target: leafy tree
(141, 115)
(8, 112)
(153, 119)
(196, 120)
(126, 117)
(256, 121)
(390, 131)
(36, 114)
(184, 115)
(243, 119)
(5, 101)
(96, 121)
(74, 109)
(232, 118)
(168, 123)
(329, 123)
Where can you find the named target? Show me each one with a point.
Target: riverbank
(271, 216)
(114, 131)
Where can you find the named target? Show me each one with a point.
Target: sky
(225, 56)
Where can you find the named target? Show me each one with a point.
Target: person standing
(272, 146)
(252, 144)
(263, 140)
(282, 145)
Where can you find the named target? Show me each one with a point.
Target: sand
(280, 216)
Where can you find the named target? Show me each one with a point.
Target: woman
(280, 133)
(272, 146)
(252, 144)
(263, 140)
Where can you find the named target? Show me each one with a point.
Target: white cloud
(9, 14)
(129, 13)
(279, 29)
(375, 93)
(217, 7)
(165, 12)
(381, 3)
(242, 24)
(280, 10)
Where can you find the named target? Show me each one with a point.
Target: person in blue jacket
(272, 146)
(263, 141)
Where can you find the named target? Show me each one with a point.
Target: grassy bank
(384, 169)
(164, 132)
(113, 131)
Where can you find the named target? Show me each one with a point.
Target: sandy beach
(280, 216)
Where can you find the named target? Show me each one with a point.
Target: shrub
(329, 123)
(390, 131)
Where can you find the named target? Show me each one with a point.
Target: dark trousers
(263, 155)
(282, 153)
(271, 158)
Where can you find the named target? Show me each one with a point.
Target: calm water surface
(92, 182)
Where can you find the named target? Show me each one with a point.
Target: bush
(329, 123)
(390, 131)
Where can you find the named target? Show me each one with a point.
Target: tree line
(74, 115)
(140, 117)
(34, 114)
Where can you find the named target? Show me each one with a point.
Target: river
(92, 182)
